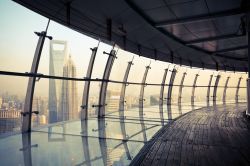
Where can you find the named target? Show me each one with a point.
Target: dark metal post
(85, 96)
(170, 86)
(103, 142)
(237, 91)
(248, 80)
(208, 88)
(193, 89)
(215, 88)
(225, 90)
(121, 109)
(27, 114)
(161, 99)
(104, 85)
(141, 101)
(26, 149)
(181, 87)
(123, 90)
(85, 141)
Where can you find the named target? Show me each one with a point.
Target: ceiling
(199, 33)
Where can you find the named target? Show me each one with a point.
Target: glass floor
(107, 141)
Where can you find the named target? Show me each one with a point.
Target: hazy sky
(18, 43)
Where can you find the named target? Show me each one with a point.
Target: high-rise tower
(68, 108)
(58, 54)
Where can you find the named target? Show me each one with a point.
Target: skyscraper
(58, 54)
(68, 108)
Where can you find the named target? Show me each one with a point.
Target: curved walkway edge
(216, 135)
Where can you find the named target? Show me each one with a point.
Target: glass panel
(132, 101)
(68, 47)
(120, 65)
(12, 97)
(93, 99)
(113, 99)
(64, 107)
(138, 69)
(151, 103)
(101, 60)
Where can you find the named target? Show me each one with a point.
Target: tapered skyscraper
(58, 54)
(68, 108)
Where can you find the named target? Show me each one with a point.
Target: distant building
(58, 54)
(112, 100)
(68, 108)
(39, 105)
(9, 121)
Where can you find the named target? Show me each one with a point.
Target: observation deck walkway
(207, 136)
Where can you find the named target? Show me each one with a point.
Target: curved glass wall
(102, 105)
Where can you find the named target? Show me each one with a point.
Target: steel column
(123, 90)
(27, 114)
(141, 101)
(181, 87)
(225, 90)
(248, 41)
(161, 98)
(104, 85)
(169, 109)
(215, 88)
(26, 149)
(103, 141)
(85, 142)
(121, 109)
(237, 90)
(208, 88)
(170, 86)
(180, 109)
(193, 89)
(85, 96)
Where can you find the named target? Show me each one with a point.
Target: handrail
(39, 76)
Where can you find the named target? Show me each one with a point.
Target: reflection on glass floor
(108, 141)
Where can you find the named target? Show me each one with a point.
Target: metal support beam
(26, 149)
(123, 90)
(104, 85)
(103, 142)
(237, 91)
(193, 89)
(248, 41)
(161, 98)
(141, 101)
(121, 109)
(85, 142)
(27, 114)
(200, 17)
(221, 37)
(231, 49)
(169, 110)
(181, 87)
(180, 109)
(85, 96)
(225, 90)
(170, 86)
(215, 88)
(208, 88)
